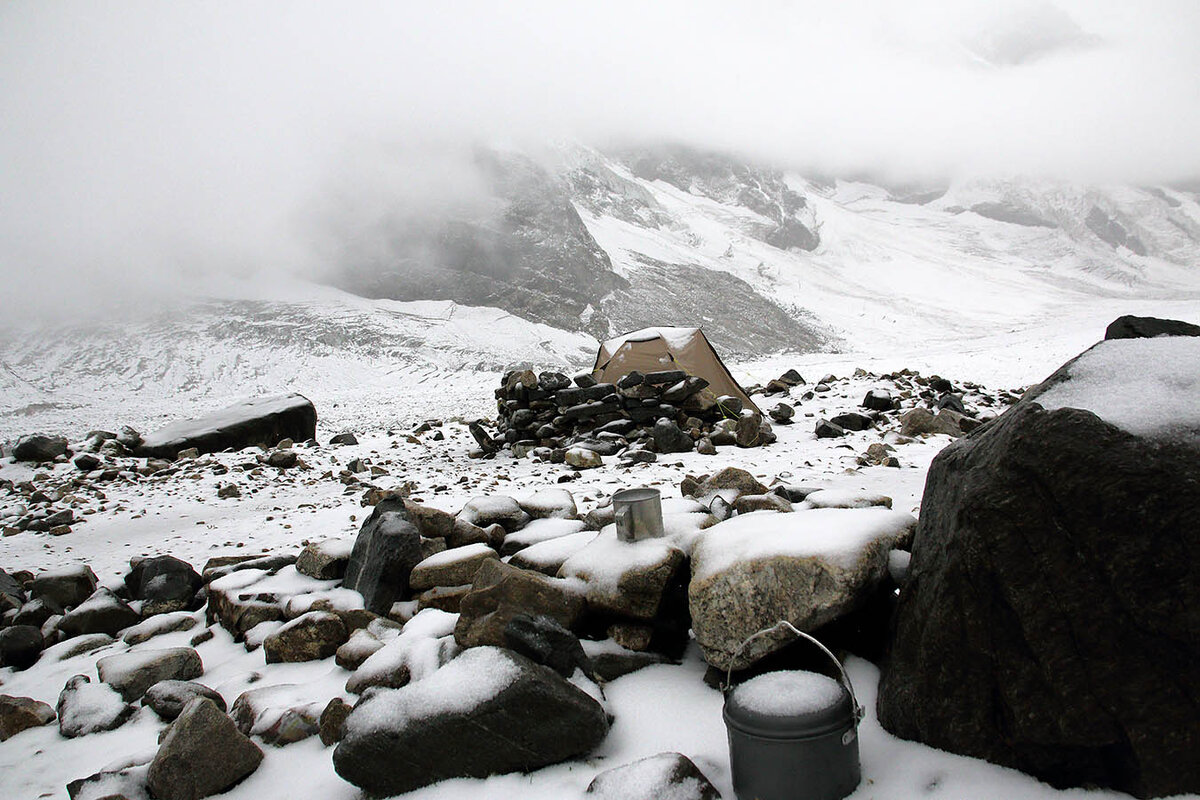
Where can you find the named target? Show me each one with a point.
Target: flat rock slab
(263, 421)
(132, 673)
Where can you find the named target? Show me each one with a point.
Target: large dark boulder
(164, 583)
(203, 753)
(264, 421)
(387, 548)
(1130, 327)
(1049, 621)
(490, 711)
(39, 447)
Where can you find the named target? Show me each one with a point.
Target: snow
(675, 338)
(835, 535)
(558, 549)
(788, 694)
(425, 643)
(544, 530)
(338, 599)
(556, 503)
(1147, 387)
(604, 561)
(829, 498)
(455, 555)
(647, 777)
(465, 683)
(91, 707)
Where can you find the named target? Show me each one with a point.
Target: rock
(202, 754)
(616, 662)
(485, 441)
(66, 587)
(749, 503)
(705, 446)
(581, 458)
(1130, 327)
(309, 637)
(283, 459)
(853, 421)
(501, 592)
(730, 478)
(550, 504)
(433, 523)
(919, 420)
(86, 462)
(12, 594)
(827, 430)
(168, 698)
(782, 413)
(451, 567)
(20, 646)
(387, 548)
(132, 673)
(22, 713)
(446, 598)
(129, 438)
(280, 715)
(749, 429)
(625, 578)
(832, 498)
(522, 716)
(259, 422)
(665, 775)
(361, 645)
(791, 378)
(228, 491)
(85, 707)
(38, 447)
(878, 400)
(1053, 587)
(494, 510)
(669, 438)
(103, 612)
(809, 568)
(632, 636)
(326, 560)
(124, 782)
(77, 646)
(333, 721)
(546, 642)
(343, 438)
(36, 612)
(164, 583)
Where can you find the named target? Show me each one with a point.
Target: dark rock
(664, 775)
(164, 583)
(263, 422)
(22, 713)
(791, 378)
(85, 707)
(20, 646)
(123, 783)
(553, 381)
(953, 402)
(283, 459)
(281, 715)
(202, 754)
(309, 637)
(734, 478)
(1048, 620)
(684, 389)
(853, 421)
(668, 438)
(782, 413)
(343, 438)
(1012, 214)
(749, 503)
(67, 587)
(705, 446)
(631, 379)
(585, 380)
(543, 640)
(730, 406)
(667, 377)
(940, 385)
(495, 510)
(609, 665)
(12, 594)
(387, 548)
(38, 447)
(534, 718)
(86, 462)
(132, 673)
(103, 612)
(36, 612)
(501, 592)
(451, 569)
(333, 719)
(879, 400)
(827, 430)
(167, 698)
(1130, 327)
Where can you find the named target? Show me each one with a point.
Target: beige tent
(657, 349)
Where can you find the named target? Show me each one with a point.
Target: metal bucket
(638, 514)
(806, 756)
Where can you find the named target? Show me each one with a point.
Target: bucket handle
(783, 623)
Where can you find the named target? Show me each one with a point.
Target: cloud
(163, 142)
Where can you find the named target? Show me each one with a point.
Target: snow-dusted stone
(387, 548)
(123, 782)
(325, 560)
(85, 707)
(22, 713)
(235, 602)
(878, 400)
(666, 775)
(669, 438)
(132, 673)
(67, 587)
(540, 530)
(1049, 621)
(361, 645)
(77, 646)
(546, 642)
(626, 578)
(453, 567)
(12, 594)
(202, 754)
(103, 612)
(918, 421)
(309, 637)
(333, 721)
(1131, 327)
(158, 625)
(730, 478)
(424, 645)
(446, 598)
(280, 715)
(550, 504)
(501, 591)
(346, 603)
(489, 711)
(809, 568)
(163, 583)
(834, 498)
(20, 646)
(494, 510)
(263, 421)
(167, 698)
(582, 458)
(749, 503)
(38, 447)
(433, 523)
(547, 556)
(610, 660)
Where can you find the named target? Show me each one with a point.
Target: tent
(657, 349)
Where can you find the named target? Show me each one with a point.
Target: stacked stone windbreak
(550, 415)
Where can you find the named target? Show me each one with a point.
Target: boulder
(494, 510)
(450, 567)
(387, 548)
(809, 568)
(550, 504)
(12, 594)
(260, 422)
(665, 775)
(730, 478)
(853, 421)
(164, 583)
(546, 642)
(20, 646)
(38, 447)
(782, 413)
(749, 503)
(490, 711)
(85, 707)
(501, 592)
(103, 612)
(920, 420)
(827, 430)
(202, 754)
(168, 698)
(583, 458)
(280, 715)
(344, 438)
(333, 721)
(68, 587)
(158, 625)
(22, 713)
(625, 578)
(132, 673)
(36, 612)
(325, 560)
(1048, 620)
(749, 430)
(433, 523)
(1130, 327)
(878, 400)
(309, 637)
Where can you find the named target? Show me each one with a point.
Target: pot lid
(792, 704)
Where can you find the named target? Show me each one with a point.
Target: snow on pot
(793, 735)
(638, 514)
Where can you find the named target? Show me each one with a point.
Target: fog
(151, 146)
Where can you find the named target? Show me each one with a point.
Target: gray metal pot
(638, 514)
(807, 756)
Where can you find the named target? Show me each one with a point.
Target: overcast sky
(160, 139)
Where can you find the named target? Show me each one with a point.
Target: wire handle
(783, 623)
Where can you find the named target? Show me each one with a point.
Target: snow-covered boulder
(387, 548)
(280, 715)
(553, 503)
(38, 447)
(453, 567)
(20, 646)
(547, 556)
(103, 612)
(666, 775)
(85, 707)
(538, 531)
(423, 646)
(809, 567)
(158, 625)
(1049, 621)
(325, 560)
(264, 421)
(168, 698)
(309, 637)
(487, 712)
(132, 673)
(625, 578)
(494, 510)
(67, 587)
